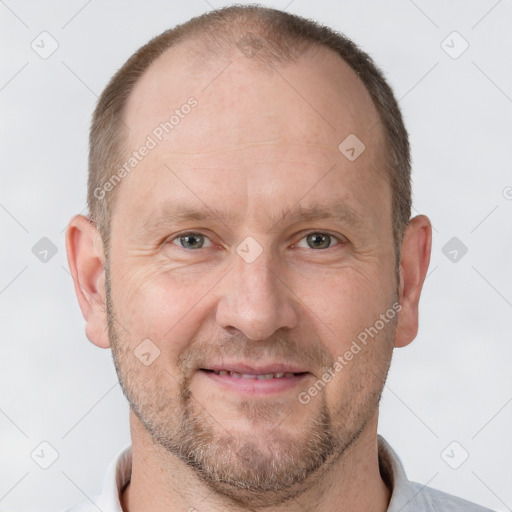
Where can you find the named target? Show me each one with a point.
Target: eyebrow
(341, 212)
(174, 213)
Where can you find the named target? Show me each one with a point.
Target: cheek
(151, 302)
(347, 302)
(360, 341)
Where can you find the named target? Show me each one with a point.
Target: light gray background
(452, 384)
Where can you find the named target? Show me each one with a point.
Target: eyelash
(338, 240)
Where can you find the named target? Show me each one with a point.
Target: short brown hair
(285, 37)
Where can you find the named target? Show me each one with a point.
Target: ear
(415, 257)
(86, 261)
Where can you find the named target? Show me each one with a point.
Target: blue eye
(318, 240)
(192, 241)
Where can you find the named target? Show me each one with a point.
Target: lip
(255, 370)
(252, 387)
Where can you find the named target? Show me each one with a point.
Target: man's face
(247, 241)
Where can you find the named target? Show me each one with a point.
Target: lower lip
(256, 386)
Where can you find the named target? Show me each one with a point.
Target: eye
(318, 240)
(192, 241)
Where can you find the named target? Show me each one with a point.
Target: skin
(252, 151)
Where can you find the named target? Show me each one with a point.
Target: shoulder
(410, 496)
(431, 500)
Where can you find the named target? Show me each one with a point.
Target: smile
(264, 376)
(254, 384)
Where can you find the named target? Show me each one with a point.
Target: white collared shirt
(406, 496)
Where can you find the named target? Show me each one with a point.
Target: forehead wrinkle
(277, 141)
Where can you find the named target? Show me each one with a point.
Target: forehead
(319, 90)
(252, 131)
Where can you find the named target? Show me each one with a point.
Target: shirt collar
(393, 474)
(117, 478)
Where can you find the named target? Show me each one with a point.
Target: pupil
(191, 241)
(317, 240)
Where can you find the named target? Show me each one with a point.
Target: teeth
(265, 376)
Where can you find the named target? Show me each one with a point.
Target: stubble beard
(249, 470)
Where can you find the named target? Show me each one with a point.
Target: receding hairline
(322, 58)
(205, 45)
(286, 36)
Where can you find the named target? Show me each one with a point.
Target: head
(270, 38)
(266, 222)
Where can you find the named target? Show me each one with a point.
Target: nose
(256, 300)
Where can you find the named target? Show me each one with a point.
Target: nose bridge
(257, 280)
(254, 300)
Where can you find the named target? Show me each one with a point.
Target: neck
(161, 482)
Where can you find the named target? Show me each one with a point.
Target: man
(250, 259)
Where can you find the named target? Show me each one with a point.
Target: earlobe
(86, 262)
(415, 258)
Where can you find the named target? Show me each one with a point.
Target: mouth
(251, 381)
(258, 376)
